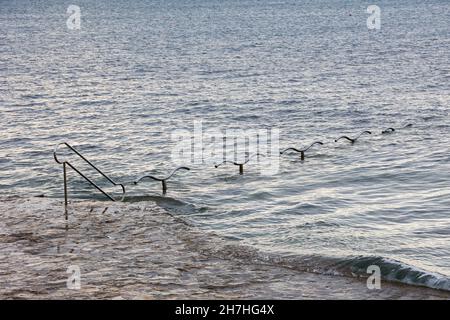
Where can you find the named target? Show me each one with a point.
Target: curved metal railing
(391, 130)
(241, 165)
(162, 180)
(353, 140)
(66, 163)
(302, 151)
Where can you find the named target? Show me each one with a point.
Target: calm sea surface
(137, 70)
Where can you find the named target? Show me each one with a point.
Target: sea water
(117, 86)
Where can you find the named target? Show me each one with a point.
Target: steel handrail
(162, 180)
(302, 151)
(353, 140)
(241, 165)
(67, 163)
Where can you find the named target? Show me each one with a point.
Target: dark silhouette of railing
(241, 165)
(301, 151)
(392, 130)
(162, 180)
(66, 164)
(353, 140)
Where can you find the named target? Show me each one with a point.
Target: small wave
(171, 204)
(317, 224)
(391, 270)
(351, 266)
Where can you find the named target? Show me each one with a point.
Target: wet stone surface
(140, 251)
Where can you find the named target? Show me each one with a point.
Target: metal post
(164, 186)
(65, 184)
(241, 169)
(302, 155)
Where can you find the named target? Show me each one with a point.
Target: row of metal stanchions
(164, 180)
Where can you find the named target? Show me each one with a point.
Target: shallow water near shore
(140, 251)
(117, 89)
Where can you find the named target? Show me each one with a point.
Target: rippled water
(117, 89)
